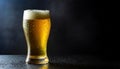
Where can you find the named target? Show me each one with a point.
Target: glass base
(37, 61)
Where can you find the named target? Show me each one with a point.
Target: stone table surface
(57, 62)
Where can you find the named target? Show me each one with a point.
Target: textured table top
(56, 62)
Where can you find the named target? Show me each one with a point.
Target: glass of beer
(36, 26)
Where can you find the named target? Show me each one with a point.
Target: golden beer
(36, 26)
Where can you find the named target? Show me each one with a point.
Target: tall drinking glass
(36, 26)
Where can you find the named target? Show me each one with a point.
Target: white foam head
(36, 14)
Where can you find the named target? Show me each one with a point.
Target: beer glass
(36, 26)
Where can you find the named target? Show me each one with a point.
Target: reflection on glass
(29, 66)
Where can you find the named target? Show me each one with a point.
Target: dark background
(78, 27)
